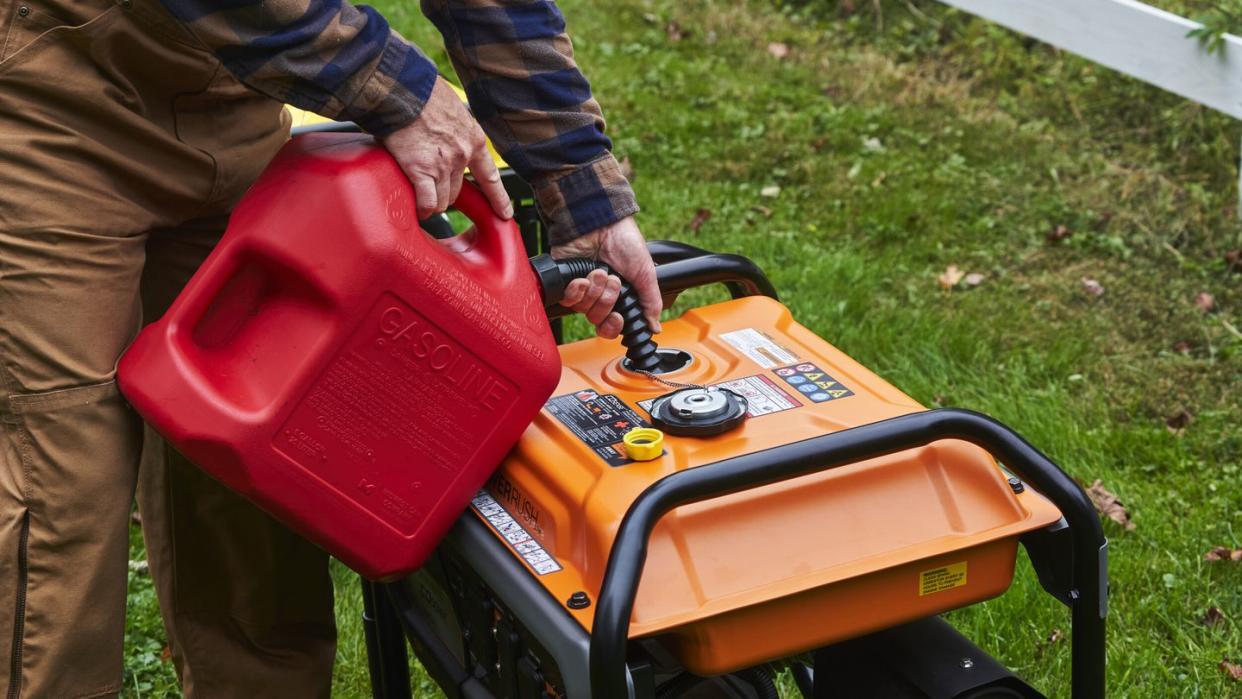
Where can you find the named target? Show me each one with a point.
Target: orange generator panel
(760, 500)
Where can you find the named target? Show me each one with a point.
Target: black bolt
(578, 600)
(1016, 484)
(23, 10)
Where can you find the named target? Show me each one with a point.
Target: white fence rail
(1133, 38)
(1136, 39)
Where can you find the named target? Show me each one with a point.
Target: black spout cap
(551, 282)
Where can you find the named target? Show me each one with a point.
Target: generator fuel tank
(768, 572)
(336, 365)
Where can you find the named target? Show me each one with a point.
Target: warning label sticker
(600, 420)
(763, 396)
(761, 349)
(514, 533)
(813, 382)
(941, 579)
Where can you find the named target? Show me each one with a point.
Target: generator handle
(682, 267)
(666, 251)
(739, 274)
(751, 280)
(610, 631)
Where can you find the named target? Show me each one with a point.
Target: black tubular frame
(387, 660)
(610, 631)
(665, 251)
(682, 267)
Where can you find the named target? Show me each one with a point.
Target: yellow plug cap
(644, 443)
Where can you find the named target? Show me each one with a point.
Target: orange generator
(759, 502)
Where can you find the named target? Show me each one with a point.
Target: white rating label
(761, 349)
(513, 532)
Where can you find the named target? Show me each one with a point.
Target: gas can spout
(640, 346)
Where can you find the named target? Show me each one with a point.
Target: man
(128, 130)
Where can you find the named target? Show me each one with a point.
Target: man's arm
(325, 56)
(516, 62)
(345, 63)
(517, 66)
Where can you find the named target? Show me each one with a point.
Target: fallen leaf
(778, 49)
(1205, 301)
(166, 654)
(1233, 260)
(1232, 669)
(1212, 616)
(1059, 233)
(767, 213)
(1183, 347)
(1107, 504)
(1092, 287)
(700, 217)
(771, 191)
(1179, 421)
(1223, 553)
(627, 168)
(973, 279)
(833, 91)
(1052, 639)
(950, 277)
(674, 32)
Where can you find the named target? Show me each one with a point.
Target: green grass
(911, 137)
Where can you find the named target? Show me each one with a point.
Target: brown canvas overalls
(123, 145)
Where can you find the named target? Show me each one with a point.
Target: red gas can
(346, 372)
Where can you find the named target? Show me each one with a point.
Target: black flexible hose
(761, 680)
(555, 275)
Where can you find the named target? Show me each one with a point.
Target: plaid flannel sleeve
(517, 65)
(325, 56)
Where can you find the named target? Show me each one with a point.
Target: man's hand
(621, 245)
(435, 149)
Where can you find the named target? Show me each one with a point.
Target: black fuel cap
(698, 411)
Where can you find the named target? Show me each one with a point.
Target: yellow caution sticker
(941, 579)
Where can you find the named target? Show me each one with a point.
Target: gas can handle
(497, 240)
